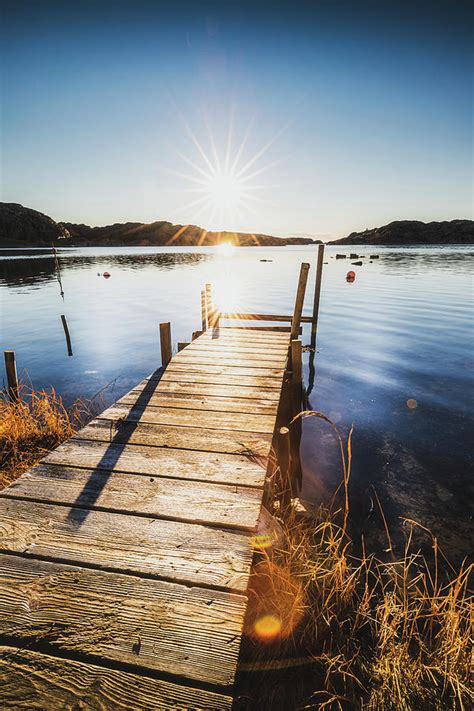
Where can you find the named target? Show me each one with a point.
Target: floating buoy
(106, 275)
(350, 276)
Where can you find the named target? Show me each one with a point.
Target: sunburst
(223, 178)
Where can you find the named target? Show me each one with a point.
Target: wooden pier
(125, 554)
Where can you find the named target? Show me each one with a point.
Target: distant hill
(23, 227)
(406, 232)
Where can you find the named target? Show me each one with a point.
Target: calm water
(403, 331)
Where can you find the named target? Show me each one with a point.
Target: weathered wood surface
(171, 550)
(188, 367)
(130, 545)
(207, 419)
(256, 382)
(35, 682)
(195, 402)
(217, 390)
(190, 465)
(189, 632)
(225, 441)
(234, 506)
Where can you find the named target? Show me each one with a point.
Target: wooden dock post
(296, 427)
(182, 345)
(66, 332)
(165, 341)
(314, 322)
(204, 310)
(213, 314)
(300, 292)
(12, 377)
(317, 295)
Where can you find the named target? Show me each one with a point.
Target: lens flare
(412, 404)
(267, 627)
(261, 541)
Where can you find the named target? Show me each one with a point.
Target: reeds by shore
(346, 631)
(31, 426)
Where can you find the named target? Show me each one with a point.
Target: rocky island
(412, 232)
(23, 227)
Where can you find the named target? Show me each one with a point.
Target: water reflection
(400, 333)
(27, 271)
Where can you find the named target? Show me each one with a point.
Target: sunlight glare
(227, 249)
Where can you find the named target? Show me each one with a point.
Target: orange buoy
(350, 276)
(106, 275)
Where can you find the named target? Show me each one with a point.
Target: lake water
(401, 333)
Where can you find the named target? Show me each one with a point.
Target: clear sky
(284, 118)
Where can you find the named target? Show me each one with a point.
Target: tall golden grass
(354, 631)
(31, 426)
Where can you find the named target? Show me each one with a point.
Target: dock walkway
(126, 553)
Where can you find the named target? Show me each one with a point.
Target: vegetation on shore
(31, 426)
(332, 628)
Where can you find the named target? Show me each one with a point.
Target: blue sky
(355, 114)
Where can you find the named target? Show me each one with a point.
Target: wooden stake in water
(165, 341)
(317, 295)
(300, 292)
(68, 337)
(12, 377)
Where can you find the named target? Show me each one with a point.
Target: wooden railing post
(12, 377)
(165, 341)
(296, 427)
(203, 310)
(317, 295)
(213, 314)
(300, 292)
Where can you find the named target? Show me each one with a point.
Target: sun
(227, 249)
(222, 175)
(225, 190)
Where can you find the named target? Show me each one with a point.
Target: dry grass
(31, 426)
(355, 632)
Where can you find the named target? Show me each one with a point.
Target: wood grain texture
(184, 631)
(192, 501)
(231, 357)
(259, 383)
(212, 467)
(255, 348)
(225, 441)
(39, 682)
(216, 389)
(197, 402)
(207, 419)
(223, 370)
(182, 552)
(263, 336)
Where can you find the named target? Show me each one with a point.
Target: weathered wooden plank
(192, 501)
(223, 370)
(206, 419)
(195, 402)
(256, 348)
(218, 389)
(182, 552)
(160, 462)
(185, 631)
(263, 336)
(225, 441)
(242, 360)
(211, 379)
(33, 681)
